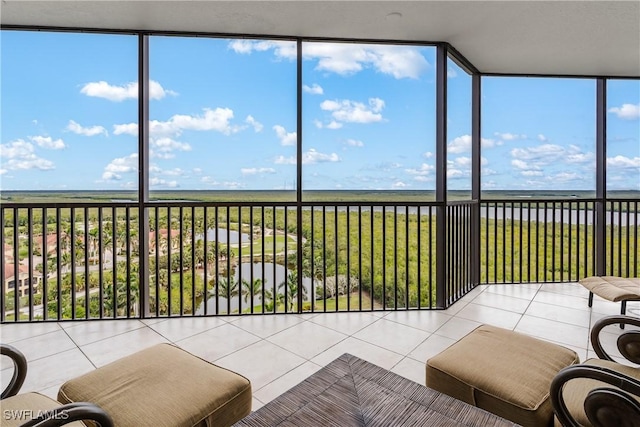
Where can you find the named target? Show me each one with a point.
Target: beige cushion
(613, 288)
(501, 371)
(19, 409)
(575, 391)
(163, 386)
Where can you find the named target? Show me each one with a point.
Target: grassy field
(331, 196)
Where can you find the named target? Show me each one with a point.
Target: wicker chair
(601, 392)
(37, 410)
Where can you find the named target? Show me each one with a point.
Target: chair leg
(623, 311)
(590, 299)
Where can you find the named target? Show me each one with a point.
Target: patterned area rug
(352, 392)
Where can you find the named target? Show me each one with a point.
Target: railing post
(143, 174)
(600, 222)
(442, 297)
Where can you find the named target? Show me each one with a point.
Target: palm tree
(251, 289)
(290, 287)
(227, 287)
(65, 260)
(93, 243)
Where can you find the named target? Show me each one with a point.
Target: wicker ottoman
(163, 386)
(501, 371)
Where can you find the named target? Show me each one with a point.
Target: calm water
(222, 235)
(273, 273)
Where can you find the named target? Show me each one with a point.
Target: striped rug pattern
(353, 392)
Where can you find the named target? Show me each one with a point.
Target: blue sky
(223, 116)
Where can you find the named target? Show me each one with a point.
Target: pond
(223, 235)
(273, 274)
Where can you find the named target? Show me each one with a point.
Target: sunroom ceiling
(521, 37)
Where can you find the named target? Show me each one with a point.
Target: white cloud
(451, 73)
(309, 158)
(20, 155)
(488, 172)
(424, 170)
(342, 58)
(334, 125)
(354, 112)
(456, 173)
(312, 156)
(228, 185)
(542, 138)
(248, 46)
(75, 127)
(314, 89)
(127, 128)
(209, 180)
(257, 126)
(48, 142)
(565, 177)
(622, 162)
(231, 185)
(168, 172)
(462, 144)
(398, 61)
(488, 143)
(545, 151)
(216, 120)
(399, 184)
(580, 157)
(159, 182)
(16, 149)
(521, 164)
(510, 136)
(164, 147)
(627, 111)
(118, 166)
(256, 171)
(531, 161)
(282, 160)
(286, 138)
(462, 161)
(427, 154)
(354, 143)
(129, 90)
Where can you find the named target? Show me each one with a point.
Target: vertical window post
(299, 173)
(600, 222)
(143, 173)
(441, 177)
(476, 171)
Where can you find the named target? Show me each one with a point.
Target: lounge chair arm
(628, 342)
(603, 406)
(77, 411)
(19, 370)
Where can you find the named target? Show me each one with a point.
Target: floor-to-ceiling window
(64, 96)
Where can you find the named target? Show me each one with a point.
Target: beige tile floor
(277, 352)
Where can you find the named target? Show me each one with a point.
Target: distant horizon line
(314, 191)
